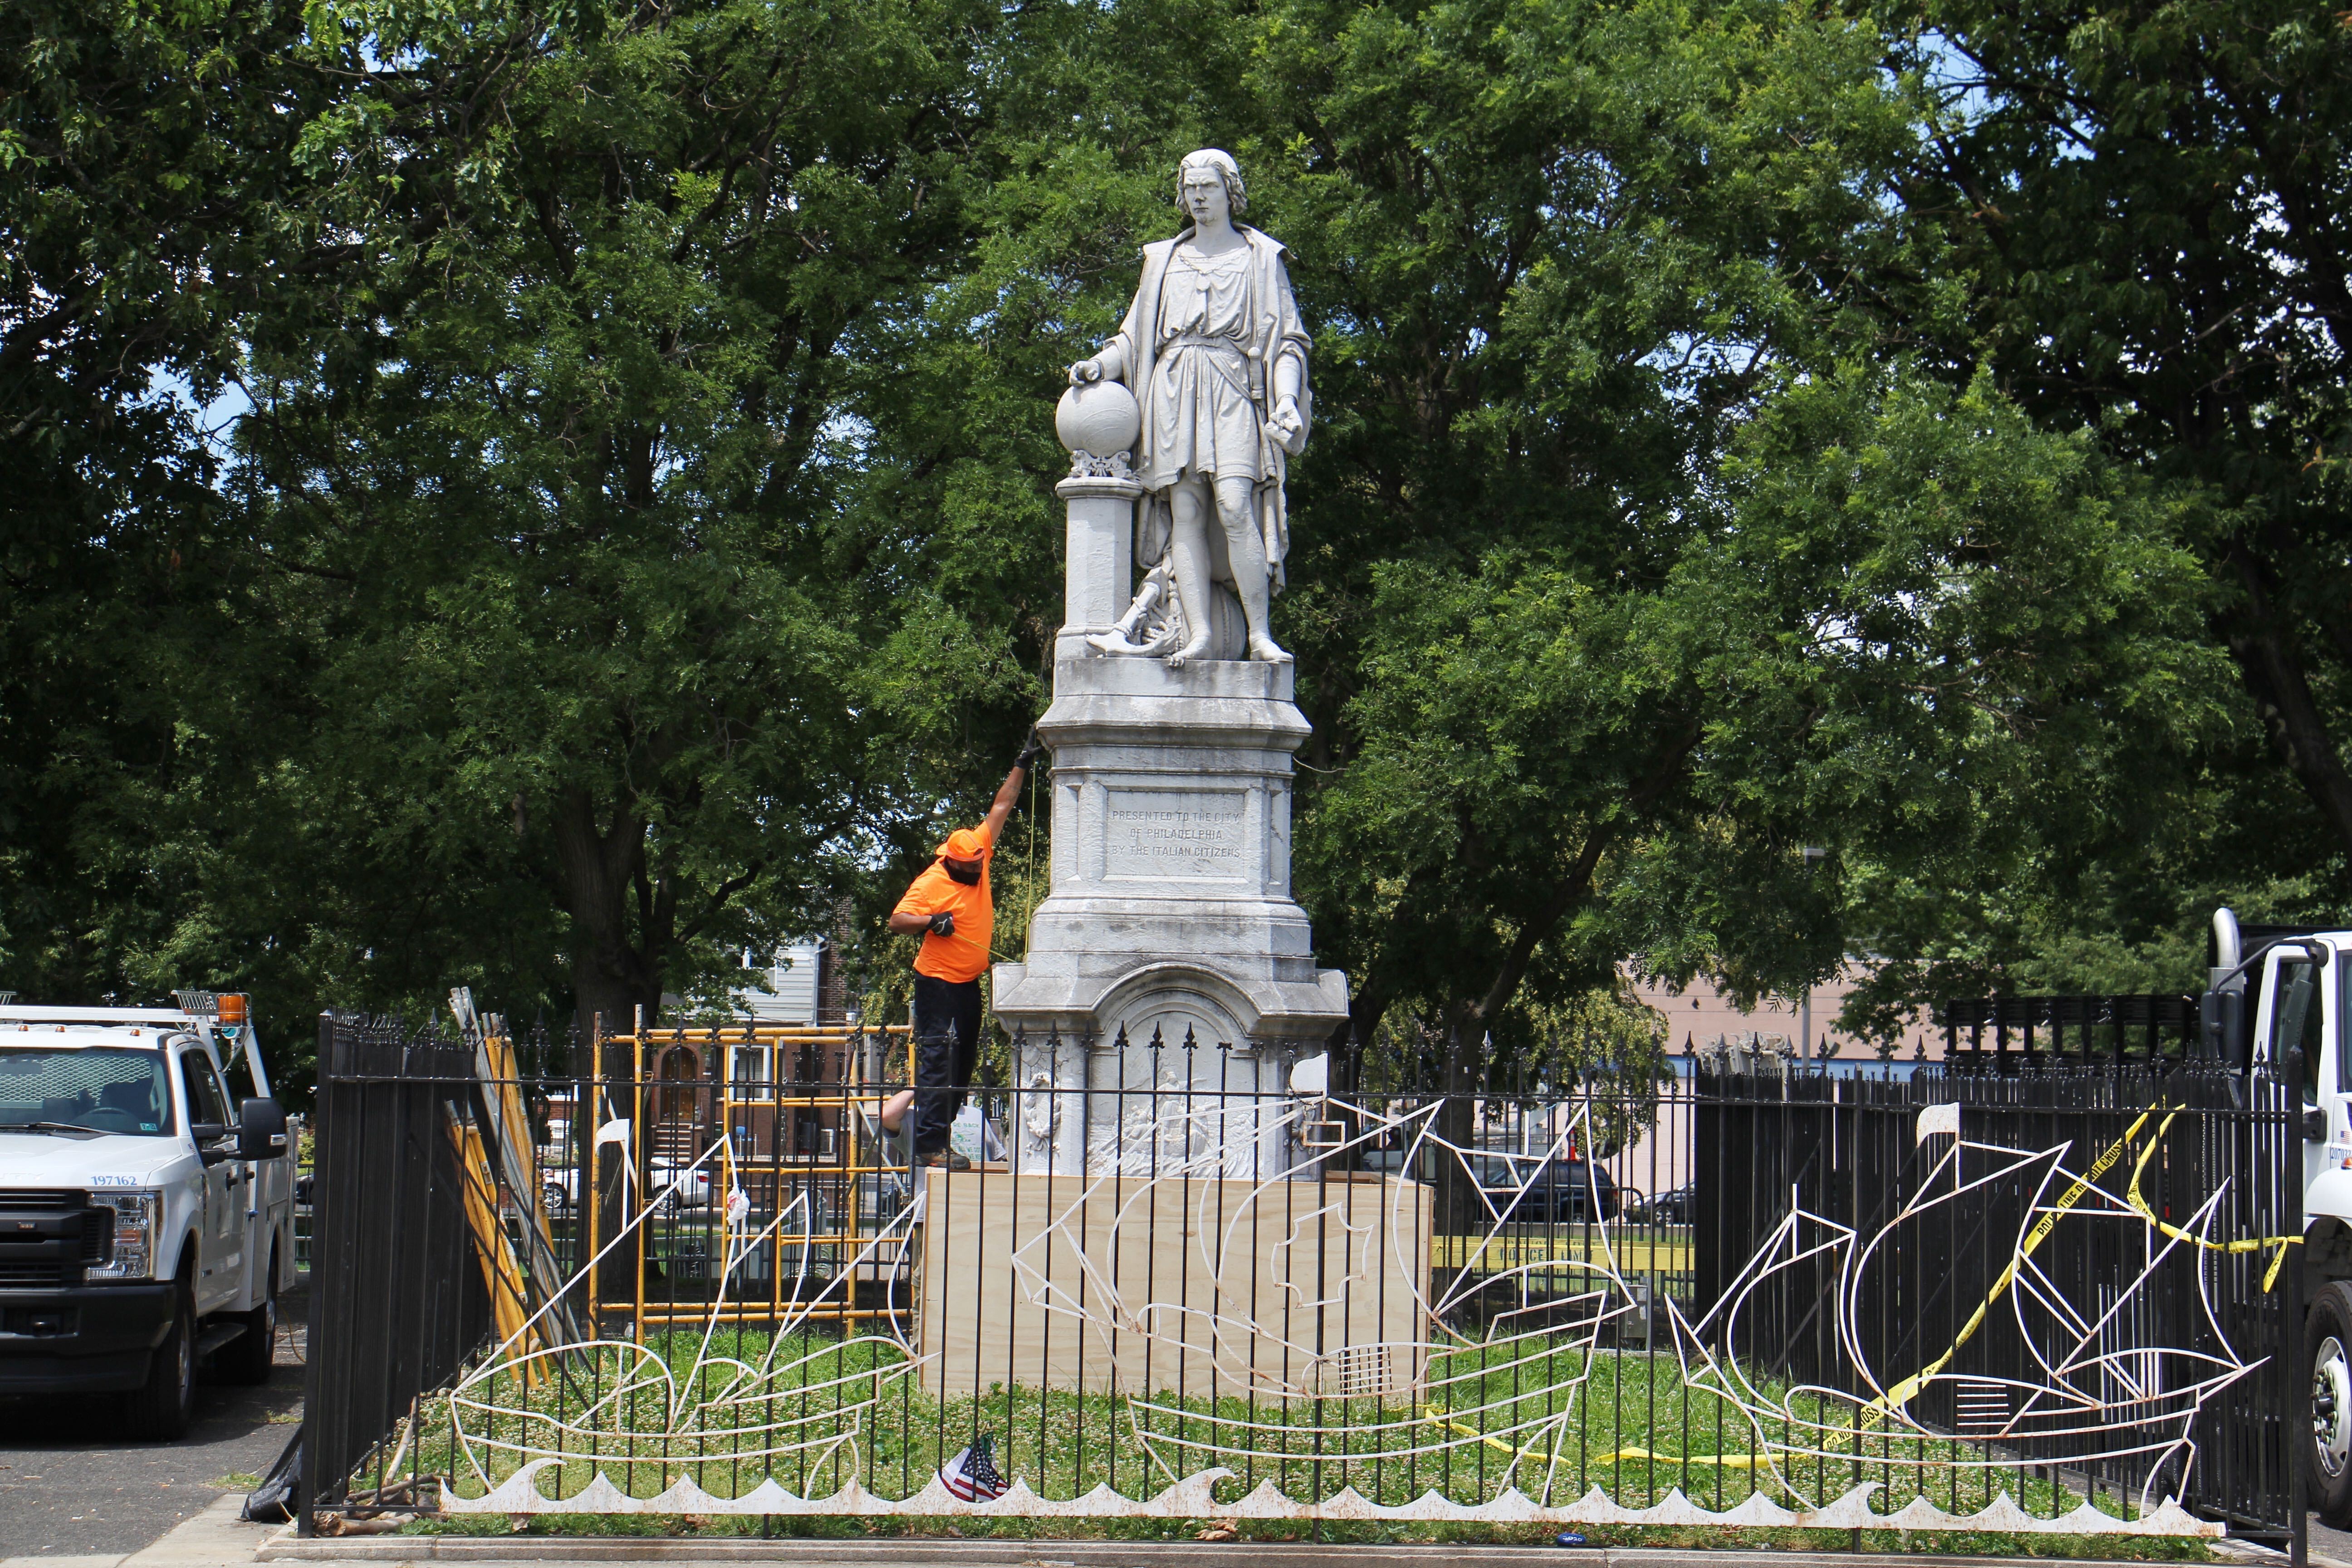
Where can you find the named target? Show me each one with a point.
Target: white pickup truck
(146, 1203)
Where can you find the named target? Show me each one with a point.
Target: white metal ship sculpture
(2096, 1398)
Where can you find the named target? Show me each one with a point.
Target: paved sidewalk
(74, 1494)
(216, 1538)
(934, 1553)
(213, 1538)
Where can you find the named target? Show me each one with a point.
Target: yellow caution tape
(1437, 1416)
(1724, 1461)
(2249, 1243)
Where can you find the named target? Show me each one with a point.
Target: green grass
(1486, 1404)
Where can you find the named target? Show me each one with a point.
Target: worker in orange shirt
(950, 905)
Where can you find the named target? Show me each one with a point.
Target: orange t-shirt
(963, 955)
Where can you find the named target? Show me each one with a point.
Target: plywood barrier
(1178, 1286)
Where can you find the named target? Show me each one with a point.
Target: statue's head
(1210, 170)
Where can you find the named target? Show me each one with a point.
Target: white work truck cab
(146, 1203)
(2279, 999)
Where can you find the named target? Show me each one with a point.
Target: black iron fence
(1185, 1275)
(397, 1303)
(2016, 1034)
(2097, 1263)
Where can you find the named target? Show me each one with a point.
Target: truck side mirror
(260, 1129)
(2295, 1066)
(2222, 1027)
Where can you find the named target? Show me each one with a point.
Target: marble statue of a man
(1214, 354)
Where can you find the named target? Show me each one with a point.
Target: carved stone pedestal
(1169, 917)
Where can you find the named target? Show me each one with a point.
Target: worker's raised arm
(1008, 793)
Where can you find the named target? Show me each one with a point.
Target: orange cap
(232, 1007)
(965, 844)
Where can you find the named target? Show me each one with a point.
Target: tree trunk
(611, 977)
(611, 973)
(2272, 669)
(1456, 1205)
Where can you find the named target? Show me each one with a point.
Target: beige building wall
(1700, 1015)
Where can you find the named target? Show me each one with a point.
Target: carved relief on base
(1087, 466)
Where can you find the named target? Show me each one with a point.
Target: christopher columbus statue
(1213, 351)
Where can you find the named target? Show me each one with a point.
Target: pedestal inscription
(1164, 833)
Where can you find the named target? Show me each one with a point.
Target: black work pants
(947, 1049)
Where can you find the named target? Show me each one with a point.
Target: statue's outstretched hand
(1084, 371)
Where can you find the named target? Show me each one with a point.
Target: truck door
(220, 1249)
(2300, 1002)
(268, 1184)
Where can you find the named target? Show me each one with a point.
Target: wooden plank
(1181, 1286)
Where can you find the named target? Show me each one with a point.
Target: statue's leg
(1188, 548)
(1237, 513)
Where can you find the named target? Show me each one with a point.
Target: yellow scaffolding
(854, 1155)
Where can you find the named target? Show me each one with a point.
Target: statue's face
(1204, 197)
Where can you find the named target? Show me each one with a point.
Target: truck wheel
(2328, 1346)
(247, 1358)
(159, 1408)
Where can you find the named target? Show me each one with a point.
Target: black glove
(1030, 750)
(943, 924)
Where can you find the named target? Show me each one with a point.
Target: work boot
(948, 1158)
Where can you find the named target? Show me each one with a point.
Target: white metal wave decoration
(2093, 1400)
(720, 1407)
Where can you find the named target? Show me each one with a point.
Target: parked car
(146, 1205)
(1672, 1206)
(560, 1188)
(1527, 1190)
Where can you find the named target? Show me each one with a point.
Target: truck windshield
(108, 1091)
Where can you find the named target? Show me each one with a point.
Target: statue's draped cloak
(1275, 333)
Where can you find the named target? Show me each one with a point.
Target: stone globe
(1100, 417)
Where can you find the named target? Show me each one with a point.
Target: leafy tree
(1556, 253)
(1990, 631)
(560, 519)
(2143, 206)
(1625, 580)
(143, 215)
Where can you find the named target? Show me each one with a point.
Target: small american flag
(972, 1474)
